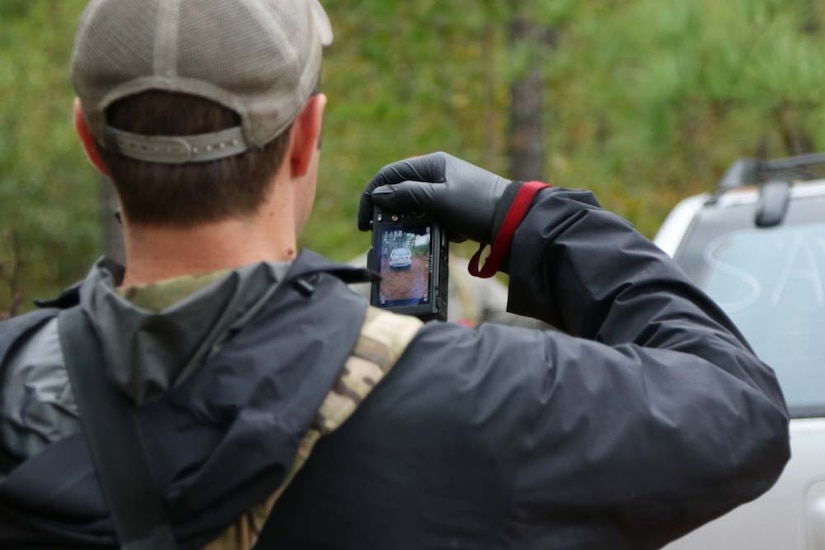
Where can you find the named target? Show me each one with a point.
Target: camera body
(410, 252)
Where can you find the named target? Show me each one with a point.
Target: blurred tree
(10, 276)
(529, 41)
(659, 97)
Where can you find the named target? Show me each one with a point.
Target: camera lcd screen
(404, 261)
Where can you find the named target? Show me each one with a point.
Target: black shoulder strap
(114, 442)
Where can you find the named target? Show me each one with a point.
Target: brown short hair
(187, 194)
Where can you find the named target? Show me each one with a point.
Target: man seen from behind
(274, 406)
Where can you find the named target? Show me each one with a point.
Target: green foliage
(647, 101)
(47, 192)
(654, 99)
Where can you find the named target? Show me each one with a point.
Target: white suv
(757, 247)
(400, 258)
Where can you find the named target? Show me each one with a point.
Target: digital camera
(410, 252)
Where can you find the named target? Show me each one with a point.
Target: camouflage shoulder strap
(384, 337)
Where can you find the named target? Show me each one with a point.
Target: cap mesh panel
(257, 57)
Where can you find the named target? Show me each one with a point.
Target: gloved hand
(468, 201)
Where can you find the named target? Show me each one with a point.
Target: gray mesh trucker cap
(260, 58)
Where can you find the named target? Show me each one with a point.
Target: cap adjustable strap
(501, 246)
(177, 149)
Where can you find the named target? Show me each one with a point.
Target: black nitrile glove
(468, 201)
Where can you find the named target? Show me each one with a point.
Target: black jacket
(643, 417)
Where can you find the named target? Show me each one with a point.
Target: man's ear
(306, 135)
(90, 146)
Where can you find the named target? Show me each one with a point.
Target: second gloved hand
(468, 201)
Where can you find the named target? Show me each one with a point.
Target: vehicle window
(772, 284)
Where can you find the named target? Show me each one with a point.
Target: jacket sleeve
(647, 414)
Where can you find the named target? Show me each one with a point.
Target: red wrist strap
(501, 246)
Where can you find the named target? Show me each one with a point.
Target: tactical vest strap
(384, 337)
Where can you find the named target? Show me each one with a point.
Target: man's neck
(158, 253)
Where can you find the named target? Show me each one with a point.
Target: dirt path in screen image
(404, 284)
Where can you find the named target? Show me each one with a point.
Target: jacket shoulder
(13, 330)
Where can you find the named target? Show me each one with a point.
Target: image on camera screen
(404, 255)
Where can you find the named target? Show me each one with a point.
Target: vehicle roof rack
(774, 178)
